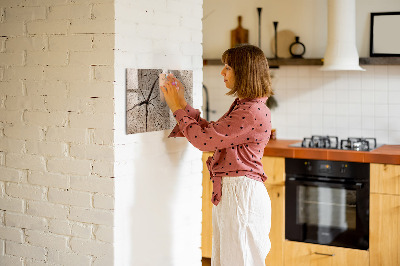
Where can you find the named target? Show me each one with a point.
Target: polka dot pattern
(238, 139)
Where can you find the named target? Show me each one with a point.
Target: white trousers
(241, 223)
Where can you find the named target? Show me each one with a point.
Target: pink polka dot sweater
(238, 139)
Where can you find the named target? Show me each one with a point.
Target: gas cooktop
(332, 142)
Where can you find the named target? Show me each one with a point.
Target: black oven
(327, 202)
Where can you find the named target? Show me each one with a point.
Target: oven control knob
(343, 168)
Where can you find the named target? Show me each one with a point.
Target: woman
(242, 208)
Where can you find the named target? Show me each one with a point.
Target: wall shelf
(274, 63)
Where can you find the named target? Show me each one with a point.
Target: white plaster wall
(344, 103)
(56, 132)
(158, 180)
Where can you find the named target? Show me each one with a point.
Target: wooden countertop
(389, 154)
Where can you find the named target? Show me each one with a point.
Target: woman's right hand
(181, 91)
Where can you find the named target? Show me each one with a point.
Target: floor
(206, 261)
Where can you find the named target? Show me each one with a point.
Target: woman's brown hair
(250, 66)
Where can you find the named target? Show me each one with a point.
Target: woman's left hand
(171, 94)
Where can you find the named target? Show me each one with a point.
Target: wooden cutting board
(239, 35)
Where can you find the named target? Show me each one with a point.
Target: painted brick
(104, 233)
(45, 27)
(11, 88)
(3, 44)
(91, 89)
(26, 161)
(96, 105)
(91, 247)
(46, 2)
(56, 103)
(103, 11)
(46, 209)
(12, 204)
(82, 230)
(103, 41)
(95, 216)
(25, 250)
(98, 120)
(2, 158)
(48, 179)
(68, 258)
(32, 262)
(24, 13)
(60, 227)
(25, 221)
(11, 59)
(74, 135)
(92, 151)
(69, 166)
(24, 132)
(92, 58)
(22, 43)
(103, 202)
(81, 73)
(11, 117)
(105, 260)
(104, 169)
(25, 191)
(91, 26)
(104, 73)
(2, 222)
(93, 184)
(71, 43)
(24, 73)
(46, 148)
(11, 233)
(47, 240)
(69, 197)
(46, 88)
(25, 103)
(2, 192)
(12, 29)
(12, 145)
(70, 12)
(11, 260)
(46, 118)
(46, 58)
(101, 136)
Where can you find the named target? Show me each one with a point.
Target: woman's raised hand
(174, 92)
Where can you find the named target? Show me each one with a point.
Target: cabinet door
(385, 178)
(304, 254)
(384, 229)
(277, 233)
(206, 226)
(274, 168)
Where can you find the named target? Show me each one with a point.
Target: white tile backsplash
(343, 103)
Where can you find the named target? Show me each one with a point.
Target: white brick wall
(56, 132)
(156, 177)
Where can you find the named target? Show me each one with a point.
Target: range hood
(341, 51)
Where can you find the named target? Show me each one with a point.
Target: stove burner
(358, 144)
(328, 142)
(332, 142)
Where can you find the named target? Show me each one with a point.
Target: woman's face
(229, 76)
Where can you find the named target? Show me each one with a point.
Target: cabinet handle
(324, 254)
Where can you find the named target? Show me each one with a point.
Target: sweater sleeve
(193, 113)
(229, 131)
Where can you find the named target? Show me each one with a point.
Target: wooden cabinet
(385, 178)
(385, 215)
(206, 226)
(304, 254)
(274, 168)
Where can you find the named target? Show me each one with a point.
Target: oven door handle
(357, 185)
